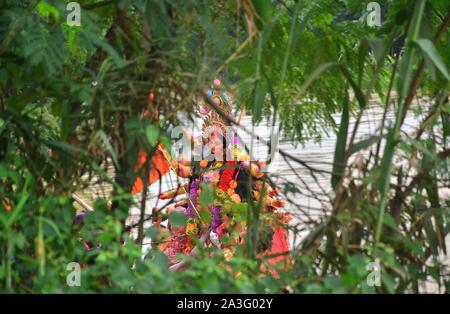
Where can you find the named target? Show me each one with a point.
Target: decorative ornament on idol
(214, 238)
(204, 109)
(217, 83)
(219, 99)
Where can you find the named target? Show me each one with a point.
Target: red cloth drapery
(280, 245)
(158, 167)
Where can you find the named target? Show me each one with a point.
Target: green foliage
(341, 143)
(75, 101)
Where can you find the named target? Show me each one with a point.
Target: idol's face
(214, 144)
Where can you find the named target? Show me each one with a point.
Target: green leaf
(108, 147)
(356, 89)
(292, 33)
(45, 47)
(316, 73)
(245, 90)
(19, 207)
(341, 142)
(363, 144)
(45, 9)
(388, 282)
(259, 96)
(384, 177)
(166, 142)
(177, 219)
(378, 49)
(406, 63)
(390, 222)
(152, 232)
(122, 276)
(445, 118)
(207, 195)
(152, 134)
(430, 51)
(362, 54)
(386, 162)
(100, 42)
(18, 102)
(16, 211)
(52, 225)
(429, 154)
(431, 235)
(263, 10)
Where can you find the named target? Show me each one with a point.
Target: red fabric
(280, 245)
(219, 230)
(158, 167)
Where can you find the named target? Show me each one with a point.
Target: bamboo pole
(80, 201)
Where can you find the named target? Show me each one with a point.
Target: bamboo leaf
(259, 96)
(362, 54)
(430, 51)
(18, 208)
(405, 69)
(363, 144)
(384, 177)
(445, 118)
(341, 142)
(377, 47)
(431, 235)
(317, 72)
(292, 33)
(386, 162)
(108, 146)
(358, 92)
(115, 56)
(52, 225)
(404, 80)
(263, 10)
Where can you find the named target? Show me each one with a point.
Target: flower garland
(227, 176)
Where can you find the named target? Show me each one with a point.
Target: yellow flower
(191, 228)
(220, 193)
(228, 253)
